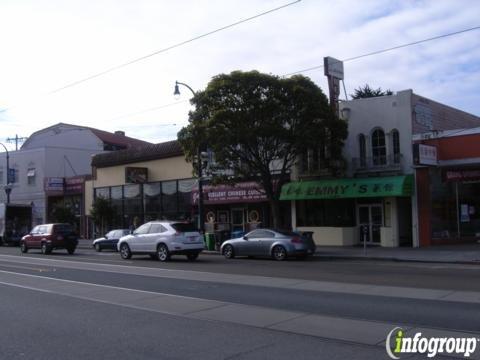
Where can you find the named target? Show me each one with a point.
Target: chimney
(120, 133)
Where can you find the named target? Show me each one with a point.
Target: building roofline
(146, 153)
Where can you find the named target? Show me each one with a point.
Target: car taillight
(177, 233)
(296, 240)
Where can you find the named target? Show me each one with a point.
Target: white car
(161, 239)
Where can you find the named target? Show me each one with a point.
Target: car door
(31, 238)
(138, 240)
(259, 242)
(152, 238)
(40, 235)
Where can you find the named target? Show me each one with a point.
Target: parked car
(271, 243)
(110, 240)
(48, 237)
(162, 239)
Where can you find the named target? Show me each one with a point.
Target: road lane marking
(263, 281)
(365, 332)
(28, 268)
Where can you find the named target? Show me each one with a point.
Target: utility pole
(16, 139)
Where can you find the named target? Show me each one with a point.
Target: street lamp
(8, 188)
(201, 224)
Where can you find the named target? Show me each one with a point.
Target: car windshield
(184, 227)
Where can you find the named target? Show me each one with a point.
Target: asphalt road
(47, 324)
(389, 273)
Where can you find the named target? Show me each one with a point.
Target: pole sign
(425, 155)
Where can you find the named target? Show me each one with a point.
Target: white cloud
(47, 44)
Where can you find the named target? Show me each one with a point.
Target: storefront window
(103, 192)
(185, 188)
(444, 212)
(132, 204)
(335, 213)
(169, 199)
(151, 200)
(469, 208)
(116, 193)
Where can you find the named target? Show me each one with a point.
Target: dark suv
(50, 236)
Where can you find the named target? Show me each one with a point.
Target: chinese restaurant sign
(223, 194)
(349, 188)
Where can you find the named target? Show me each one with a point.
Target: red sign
(238, 193)
(461, 175)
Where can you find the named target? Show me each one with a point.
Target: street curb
(395, 259)
(356, 257)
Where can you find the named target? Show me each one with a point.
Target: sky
(46, 45)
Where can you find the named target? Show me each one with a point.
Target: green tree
(367, 92)
(102, 213)
(257, 125)
(63, 214)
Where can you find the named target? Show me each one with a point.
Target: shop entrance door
(370, 219)
(238, 220)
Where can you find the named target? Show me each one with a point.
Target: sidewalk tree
(102, 213)
(257, 125)
(63, 214)
(367, 92)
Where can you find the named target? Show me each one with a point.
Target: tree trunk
(275, 208)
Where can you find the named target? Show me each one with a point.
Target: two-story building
(52, 165)
(376, 201)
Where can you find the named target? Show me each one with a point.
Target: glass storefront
(455, 207)
(139, 203)
(326, 212)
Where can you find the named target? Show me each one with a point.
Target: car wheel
(162, 252)
(71, 250)
(228, 252)
(98, 247)
(125, 252)
(279, 253)
(192, 257)
(45, 249)
(23, 247)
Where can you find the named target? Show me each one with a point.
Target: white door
(370, 219)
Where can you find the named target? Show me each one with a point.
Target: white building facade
(375, 201)
(49, 158)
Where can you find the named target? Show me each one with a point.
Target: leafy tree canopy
(367, 92)
(258, 124)
(63, 214)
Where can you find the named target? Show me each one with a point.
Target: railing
(376, 163)
(323, 168)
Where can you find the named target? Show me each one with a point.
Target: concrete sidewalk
(453, 254)
(450, 254)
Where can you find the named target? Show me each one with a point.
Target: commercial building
(448, 183)
(52, 165)
(376, 200)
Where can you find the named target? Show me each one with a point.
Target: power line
(148, 110)
(321, 66)
(388, 49)
(169, 48)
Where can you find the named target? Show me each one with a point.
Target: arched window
(362, 150)
(396, 146)
(379, 149)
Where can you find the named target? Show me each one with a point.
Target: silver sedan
(272, 243)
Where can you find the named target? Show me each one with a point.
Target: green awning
(349, 188)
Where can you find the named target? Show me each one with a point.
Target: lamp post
(8, 189)
(201, 224)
